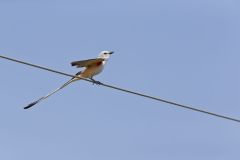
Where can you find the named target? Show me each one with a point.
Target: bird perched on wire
(92, 68)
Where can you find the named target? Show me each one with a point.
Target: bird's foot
(96, 82)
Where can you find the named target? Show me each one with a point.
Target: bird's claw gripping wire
(96, 82)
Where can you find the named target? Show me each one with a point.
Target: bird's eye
(105, 53)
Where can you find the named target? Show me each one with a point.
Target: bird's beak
(111, 52)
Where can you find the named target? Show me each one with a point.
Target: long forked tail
(48, 95)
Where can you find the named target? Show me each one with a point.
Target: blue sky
(186, 51)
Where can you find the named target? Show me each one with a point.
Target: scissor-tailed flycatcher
(92, 68)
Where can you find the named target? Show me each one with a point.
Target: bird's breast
(93, 70)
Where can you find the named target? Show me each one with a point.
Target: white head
(105, 54)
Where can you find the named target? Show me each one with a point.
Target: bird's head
(105, 54)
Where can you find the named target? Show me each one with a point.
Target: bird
(92, 67)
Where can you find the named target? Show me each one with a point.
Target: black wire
(125, 90)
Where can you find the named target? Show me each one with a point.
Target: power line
(125, 90)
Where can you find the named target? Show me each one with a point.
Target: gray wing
(87, 63)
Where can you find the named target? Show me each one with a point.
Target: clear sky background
(186, 51)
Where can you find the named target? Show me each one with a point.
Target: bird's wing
(87, 63)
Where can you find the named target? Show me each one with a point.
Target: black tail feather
(48, 95)
(31, 104)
